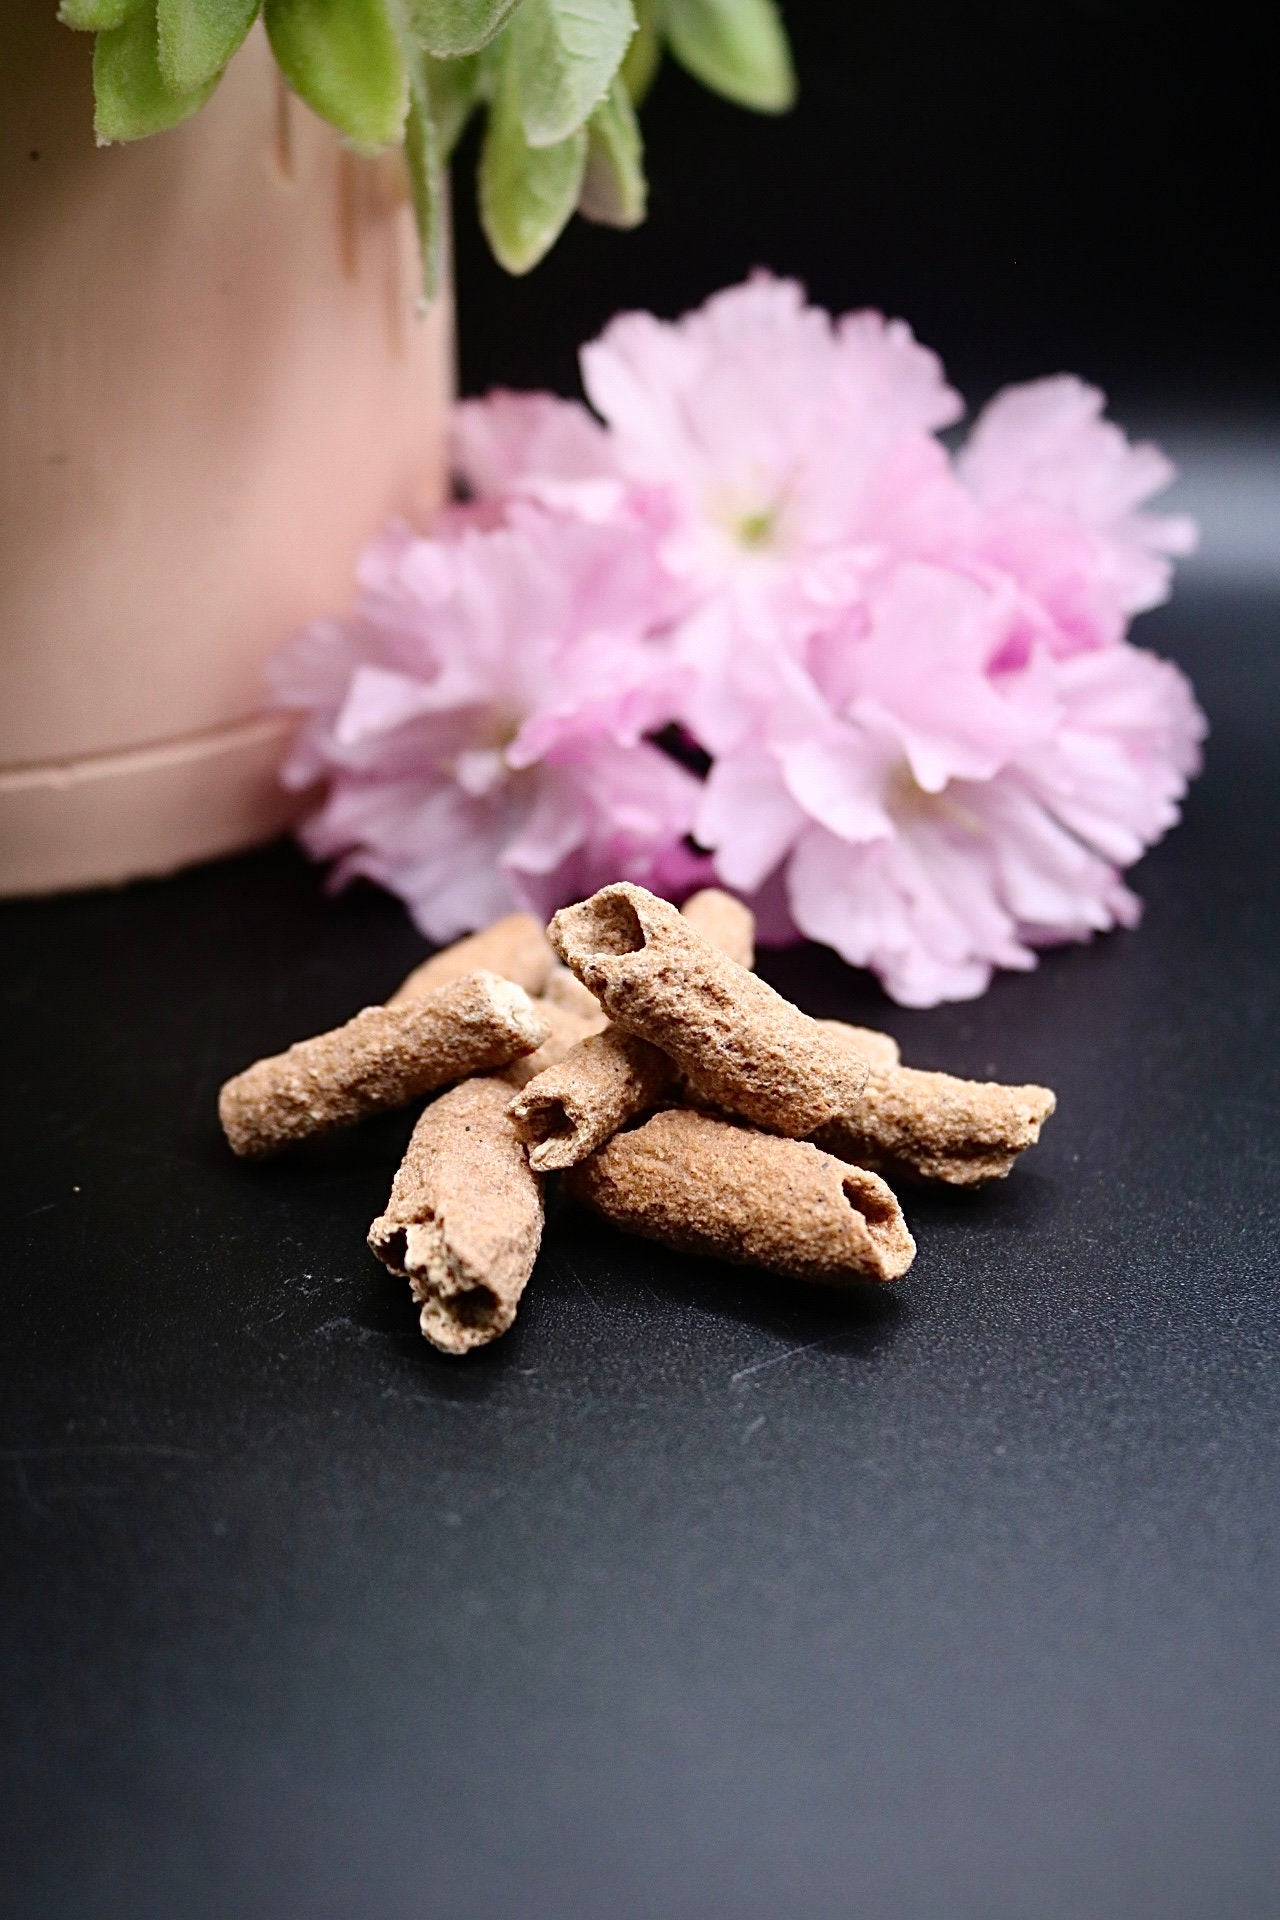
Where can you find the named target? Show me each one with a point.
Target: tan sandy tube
(879, 1050)
(566, 1029)
(608, 1080)
(464, 1220)
(749, 1050)
(598, 1086)
(383, 1058)
(725, 921)
(929, 1126)
(563, 989)
(515, 947)
(706, 1186)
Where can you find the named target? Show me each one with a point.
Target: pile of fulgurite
(632, 1050)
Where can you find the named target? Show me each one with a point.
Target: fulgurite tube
(564, 989)
(574, 1107)
(725, 921)
(707, 1186)
(565, 1030)
(930, 1126)
(879, 1050)
(515, 947)
(383, 1058)
(608, 1079)
(746, 1048)
(464, 1220)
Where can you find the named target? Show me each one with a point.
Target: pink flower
(1061, 490)
(928, 741)
(779, 435)
(929, 814)
(511, 443)
(481, 719)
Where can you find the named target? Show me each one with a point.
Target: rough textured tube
(598, 1086)
(929, 1126)
(566, 1029)
(564, 989)
(749, 1050)
(516, 948)
(383, 1058)
(601, 1084)
(725, 921)
(706, 1186)
(879, 1050)
(464, 1220)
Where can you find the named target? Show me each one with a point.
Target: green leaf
(426, 172)
(449, 27)
(198, 37)
(131, 98)
(97, 16)
(564, 53)
(527, 194)
(614, 189)
(644, 55)
(344, 58)
(735, 47)
(454, 87)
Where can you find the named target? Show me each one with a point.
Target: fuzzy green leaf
(455, 90)
(131, 98)
(426, 171)
(564, 53)
(614, 189)
(97, 16)
(527, 194)
(344, 58)
(450, 27)
(198, 37)
(644, 55)
(736, 47)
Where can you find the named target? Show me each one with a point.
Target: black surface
(694, 1596)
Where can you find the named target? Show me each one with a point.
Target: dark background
(696, 1596)
(1070, 184)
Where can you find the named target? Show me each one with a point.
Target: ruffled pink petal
(747, 818)
(1053, 885)
(864, 902)
(1043, 452)
(1128, 743)
(553, 820)
(923, 673)
(377, 700)
(507, 440)
(838, 780)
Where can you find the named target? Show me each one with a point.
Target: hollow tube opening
(474, 1307)
(612, 926)
(394, 1250)
(878, 1209)
(548, 1120)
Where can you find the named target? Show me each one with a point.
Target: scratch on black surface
(25, 1494)
(776, 1359)
(575, 1276)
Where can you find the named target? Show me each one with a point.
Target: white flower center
(482, 764)
(758, 530)
(908, 801)
(752, 520)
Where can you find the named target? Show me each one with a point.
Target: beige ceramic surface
(214, 385)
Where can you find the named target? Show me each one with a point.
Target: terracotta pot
(214, 385)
